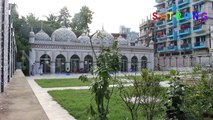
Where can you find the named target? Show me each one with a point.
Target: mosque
(63, 52)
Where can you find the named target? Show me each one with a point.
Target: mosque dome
(84, 38)
(63, 34)
(122, 41)
(103, 35)
(41, 36)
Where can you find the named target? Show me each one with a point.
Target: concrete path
(53, 110)
(18, 102)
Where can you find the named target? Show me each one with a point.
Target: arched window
(124, 64)
(134, 64)
(144, 62)
(88, 63)
(74, 64)
(45, 63)
(60, 64)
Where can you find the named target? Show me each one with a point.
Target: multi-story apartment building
(184, 43)
(147, 33)
(7, 45)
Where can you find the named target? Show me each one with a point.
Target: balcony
(183, 20)
(169, 22)
(161, 49)
(159, 1)
(160, 28)
(160, 23)
(186, 46)
(182, 3)
(172, 34)
(199, 45)
(171, 8)
(196, 2)
(172, 48)
(199, 28)
(184, 31)
(159, 11)
(161, 41)
(160, 38)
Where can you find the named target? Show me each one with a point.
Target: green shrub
(197, 69)
(173, 72)
(83, 78)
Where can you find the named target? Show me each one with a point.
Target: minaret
(32, 36)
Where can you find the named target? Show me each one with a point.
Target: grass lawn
(77, 102)
(49, 83)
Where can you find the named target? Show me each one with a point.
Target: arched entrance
(124, 64)
(60, 64)
(144, 62)
(88, 63)
(45, 62)
(74, 64)
(134, 64)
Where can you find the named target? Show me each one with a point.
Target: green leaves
(108, 61)
(83, 78)
(64, 17)
(80, 22)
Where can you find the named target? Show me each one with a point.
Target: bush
(83, 78)
(173, 72)
(197, 69)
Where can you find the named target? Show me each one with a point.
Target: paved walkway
(18, 102)
(53, 110)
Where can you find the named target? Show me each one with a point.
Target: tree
(108, 61)
(144, 96)
(51, 24)
(64, 17)
(81, 21)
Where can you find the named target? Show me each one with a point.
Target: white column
(81, 64)
(139, 65)
(52, 67)
(129, 66)
(67, 66)
(37, 67)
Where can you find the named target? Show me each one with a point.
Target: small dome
(84, 38)
(122, 41)
(41, 35)
(63, 34)
(107, 38)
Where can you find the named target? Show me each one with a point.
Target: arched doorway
(60, 64)
(45, 62)
(144, 62)
(88, 63)
(124, 64)
(74, 64)
(134, 64)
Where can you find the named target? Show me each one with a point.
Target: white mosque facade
(64, 52)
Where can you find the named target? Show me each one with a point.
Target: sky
(108, 13)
